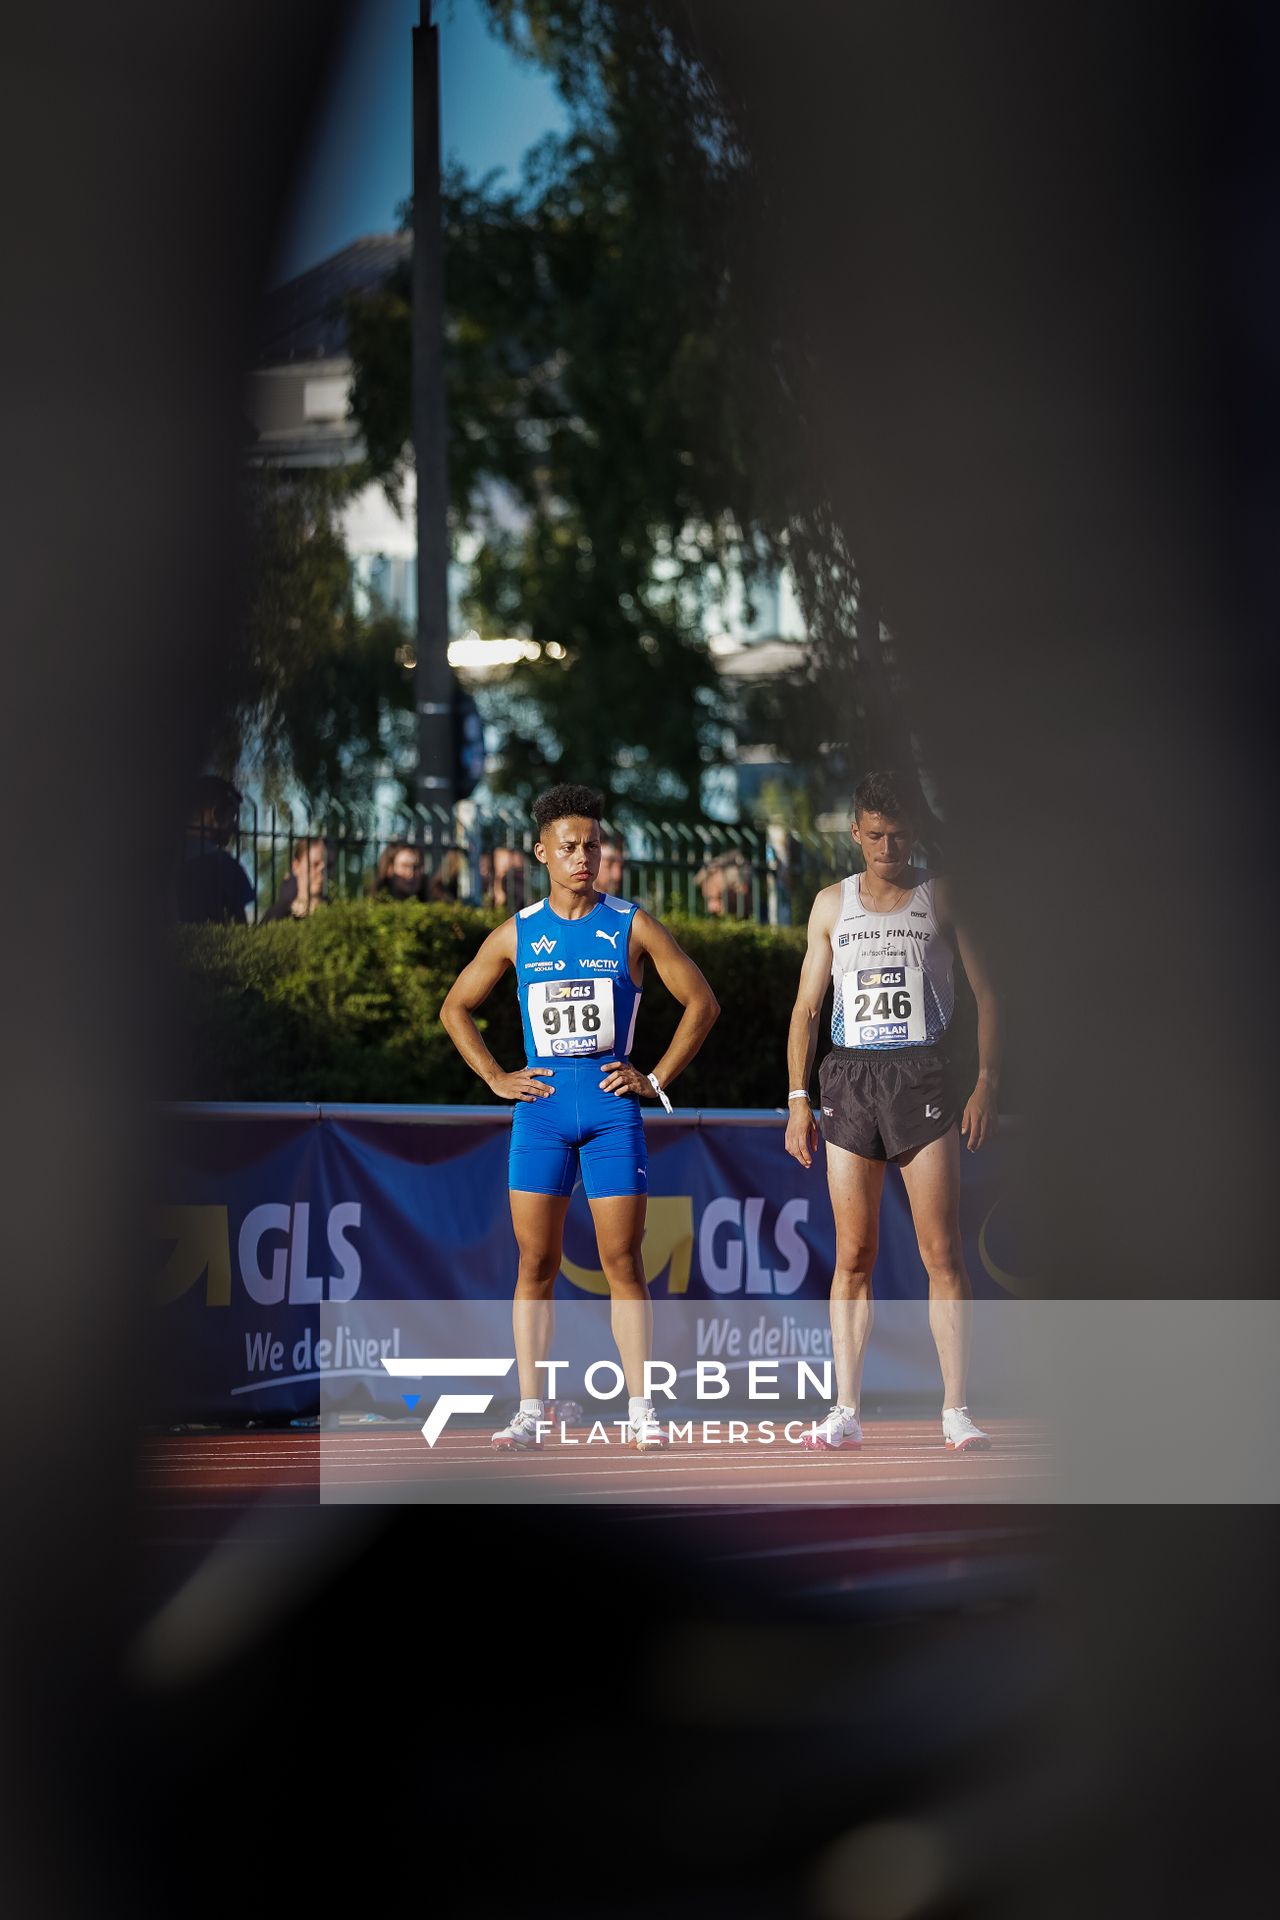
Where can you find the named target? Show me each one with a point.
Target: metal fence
(763, 873)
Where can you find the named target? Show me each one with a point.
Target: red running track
(901, 1523)
(902, 1462)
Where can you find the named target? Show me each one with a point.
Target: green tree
(622, 434)
(312, 694)
(842, 706)
(608, 447)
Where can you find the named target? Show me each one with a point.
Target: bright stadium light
(479, 655)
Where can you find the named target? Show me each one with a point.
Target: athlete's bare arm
(978, 1121)
(686, 983)
(470, 990)
(802, 1035)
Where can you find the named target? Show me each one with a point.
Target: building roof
(762, 660)
(303, 319)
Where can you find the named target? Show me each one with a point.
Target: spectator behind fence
(446, 881)
(504, 879)
(399, 874)
(725, 884)
(303, 888)
(609, 878)
(211, 885)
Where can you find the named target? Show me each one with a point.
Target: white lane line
(713, 1495)
(284, 1454)
(536, 1469)
(365, 1449)
(745, 1457)
(630, 1479)
(593, 1449)
(210, 1473)
(841, 1460)
(783, 1451)
(754, 1457)
(875, 1435)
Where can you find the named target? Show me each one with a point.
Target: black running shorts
(884, 1104)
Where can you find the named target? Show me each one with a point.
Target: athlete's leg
(931, 1176)
(538, 1219)
(619, 1224)
(614, 1165)
(855, 1186)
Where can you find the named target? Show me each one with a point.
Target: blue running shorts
(578, 1128)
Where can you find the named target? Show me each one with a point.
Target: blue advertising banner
(273, 1212)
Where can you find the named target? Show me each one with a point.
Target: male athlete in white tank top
(884, 939)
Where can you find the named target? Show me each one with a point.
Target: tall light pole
(433, 678)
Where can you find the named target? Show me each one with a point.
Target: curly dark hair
(887, 793)
(565, 802)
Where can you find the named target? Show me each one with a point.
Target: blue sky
(360, 165)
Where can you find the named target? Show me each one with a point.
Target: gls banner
(275, 1212)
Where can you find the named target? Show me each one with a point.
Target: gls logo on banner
(449, 1403)
(278, 1256)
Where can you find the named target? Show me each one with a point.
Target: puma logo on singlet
(612, 938)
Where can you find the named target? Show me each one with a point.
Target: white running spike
(839, 1428)
(520, 1431)
(960, 1434)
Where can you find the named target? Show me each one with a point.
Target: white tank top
(892, 972)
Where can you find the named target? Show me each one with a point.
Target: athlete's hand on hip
(978, 1123)
(524, 1084)
(621, 1077)
(802, 1132)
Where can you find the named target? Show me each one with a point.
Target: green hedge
(345, 1006)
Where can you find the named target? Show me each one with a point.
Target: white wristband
(799, 1093)
(653, 1082)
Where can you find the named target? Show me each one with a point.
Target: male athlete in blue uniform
(579, 959)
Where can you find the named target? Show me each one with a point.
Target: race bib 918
(884, 1006)
(571, 1017)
